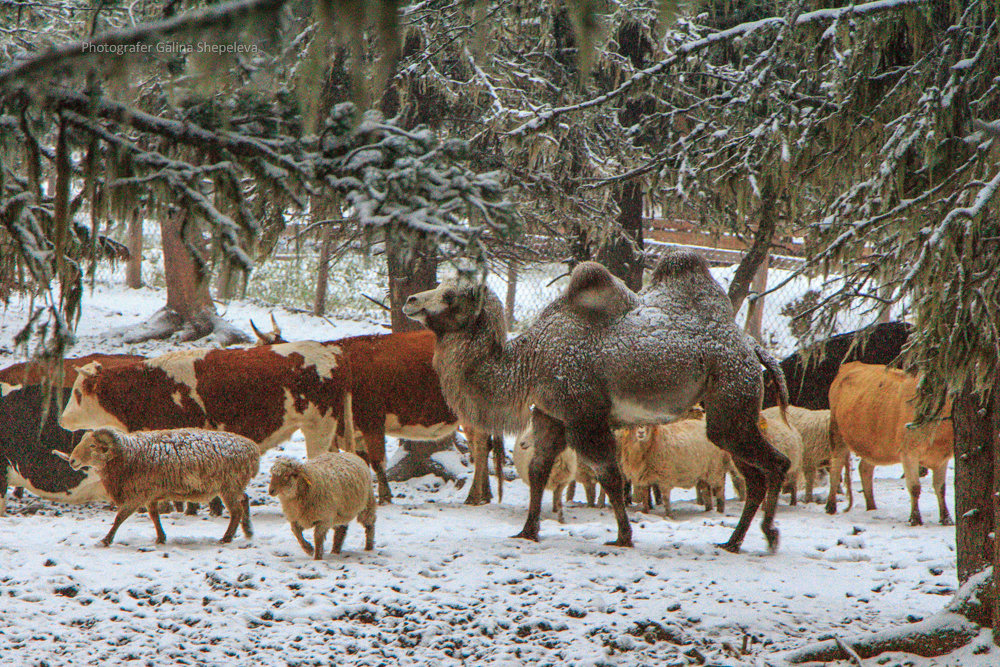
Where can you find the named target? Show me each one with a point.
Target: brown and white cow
(870, 407)
(37, 372)
(394, 390)
(264, 393)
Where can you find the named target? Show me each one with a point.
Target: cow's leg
(866, 471)
(124, 512)
(303, 542)
(3, 488)
(374, 439)
(234, 503)
(550, 440)
(590, 491)
(319, 439)
(479, 492)
(939, 474)
(319, 537)
(911, 473)
(594, 442)
(154, 514)
(245, 522)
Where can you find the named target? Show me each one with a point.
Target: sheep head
(94, 449)
(287, 478)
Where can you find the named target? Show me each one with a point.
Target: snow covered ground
(446, 584)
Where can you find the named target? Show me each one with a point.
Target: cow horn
(261, 338)
(276, 330)
(63, 455)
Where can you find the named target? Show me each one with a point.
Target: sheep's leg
(642, 495)
(235, 507)
(719, 491)
(3, 488)
(479, 446)
(319, 537)
(911, 472)
(704, 494)
(793, 490)
(665, 495)
(657, 494)
(557, 505)
(810, 476)
(179, 505)
(245, 521)
(303, 542)
(590, 491)
(839, 457)
(124, 512)
(339, 533)
(369, 525)
(550, 440)
(154, 514)
(571, 491)
(867, 473)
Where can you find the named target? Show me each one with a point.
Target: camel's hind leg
(763, 468)
(550, 440)
(594, 442)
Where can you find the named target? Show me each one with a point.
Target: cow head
(83, 409)
(95, 449)
(268, 338)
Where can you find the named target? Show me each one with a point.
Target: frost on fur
(328, 491)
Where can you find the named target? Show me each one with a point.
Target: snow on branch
(742, 30)
(209, 18)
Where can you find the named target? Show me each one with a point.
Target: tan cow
(870, 408)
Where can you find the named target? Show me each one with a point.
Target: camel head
(452, 306)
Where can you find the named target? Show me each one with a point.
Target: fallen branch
(939, 634)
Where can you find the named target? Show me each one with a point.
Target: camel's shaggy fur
(600, 356)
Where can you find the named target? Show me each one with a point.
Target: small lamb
(326, 491)
(189, 464)
(784, 437)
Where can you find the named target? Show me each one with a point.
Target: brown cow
(870, 407)
(263, 393)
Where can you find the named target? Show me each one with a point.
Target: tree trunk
(189, 310)
(133, 269)
(412, 267)
(622, 255)
(323, 271)
(755, 309)
(745, 272)
(511, 298)
(411, 261)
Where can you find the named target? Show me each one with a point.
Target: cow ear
(90, 370)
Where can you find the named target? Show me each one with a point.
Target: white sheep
(564, 469)
(814, 427)
(673, 455)
(786, 439)
(327, 491)
(141, 469)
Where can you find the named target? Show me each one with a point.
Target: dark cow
(26, 446)
(809, 376)
(263, 393)
(26, 451)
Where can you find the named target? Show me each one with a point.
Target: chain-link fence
(357, 289)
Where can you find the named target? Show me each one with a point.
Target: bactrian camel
(601, 356)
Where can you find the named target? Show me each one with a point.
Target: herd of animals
(659, 389)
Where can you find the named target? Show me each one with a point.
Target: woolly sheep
(814, 427)
(673, 455)
(325, 492)
(786, 439)
(141, 469)
(564, 468)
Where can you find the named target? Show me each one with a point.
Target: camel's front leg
(550, 440)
